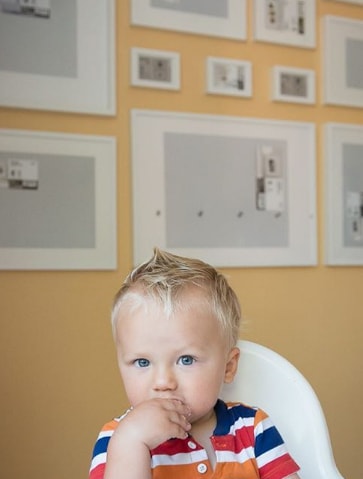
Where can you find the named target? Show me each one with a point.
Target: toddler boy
(175, 323)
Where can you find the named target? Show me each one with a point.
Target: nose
(164, 380)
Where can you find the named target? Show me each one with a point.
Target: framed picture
(229, 77)
(344, 194)
(343, 61)
(155, 69)
(288, 22)
(294, 85)
(58, 201)
(67, 57)
(232, 191)
(220, 18)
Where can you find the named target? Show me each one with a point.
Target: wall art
(232, 191)
(58, 55)
(344, 194)
(221, 18)
(155, 68)
(58, 201)
(229, 77)
(288, 22)
(343, 61)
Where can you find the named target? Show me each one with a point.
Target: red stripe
(98, 472)
(281, 467)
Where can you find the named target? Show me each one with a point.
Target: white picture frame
(291, 22)
(220, 18)
(342, 61)
(225, 76)
(293, 85)
(155, 68)
(67, 59)
(58, 197)
(344, 194)
(235, 192)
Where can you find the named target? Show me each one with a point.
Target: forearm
(125, 458)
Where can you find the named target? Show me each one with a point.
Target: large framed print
(288, 22)
(221, 18)
(343, 61)
(58, 56)
(344, 194)
(58, 201)
(232, 191)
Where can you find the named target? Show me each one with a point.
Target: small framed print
(343, 61)
(344, 194)
(229, 77)
(293, 85)
(155, 68)
(288, 22)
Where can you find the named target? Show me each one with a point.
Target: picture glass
(294, 85)
(354, 62)
(221, 18)
(353, 195)
(228, 76)
(216, 8)
(220, 192)
(67, 221)
(53, 34)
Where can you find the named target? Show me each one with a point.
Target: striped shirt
(246, 443)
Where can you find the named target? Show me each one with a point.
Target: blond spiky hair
(166, 276)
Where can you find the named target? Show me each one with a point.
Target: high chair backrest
(267, 380)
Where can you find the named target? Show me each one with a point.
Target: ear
(231, 365)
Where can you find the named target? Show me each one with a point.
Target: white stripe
(230, 456)
(178, 459)
(99, 459)
(103, 434)
(263, 426)
(241, 423)
(270, 455)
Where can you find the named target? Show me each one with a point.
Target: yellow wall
(59, 381)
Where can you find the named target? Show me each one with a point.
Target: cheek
(134, 388)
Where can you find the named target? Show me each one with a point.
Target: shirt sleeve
(272, 457)
(99, 456)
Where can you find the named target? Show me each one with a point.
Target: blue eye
(142, 363)
(186, 360)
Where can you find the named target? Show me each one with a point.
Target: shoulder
(232, 416)
(240, 410)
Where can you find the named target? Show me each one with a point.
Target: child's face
(181, 357)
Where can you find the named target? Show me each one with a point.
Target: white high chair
(267, 380)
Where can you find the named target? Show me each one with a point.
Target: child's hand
(155, 421)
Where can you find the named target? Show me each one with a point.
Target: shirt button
(202, 468)
(192, 445)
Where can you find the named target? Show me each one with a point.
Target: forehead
(143, 323)
(169, 299)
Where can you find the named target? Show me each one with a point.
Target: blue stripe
(101, 446)
(227, 417)
(267, 440)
